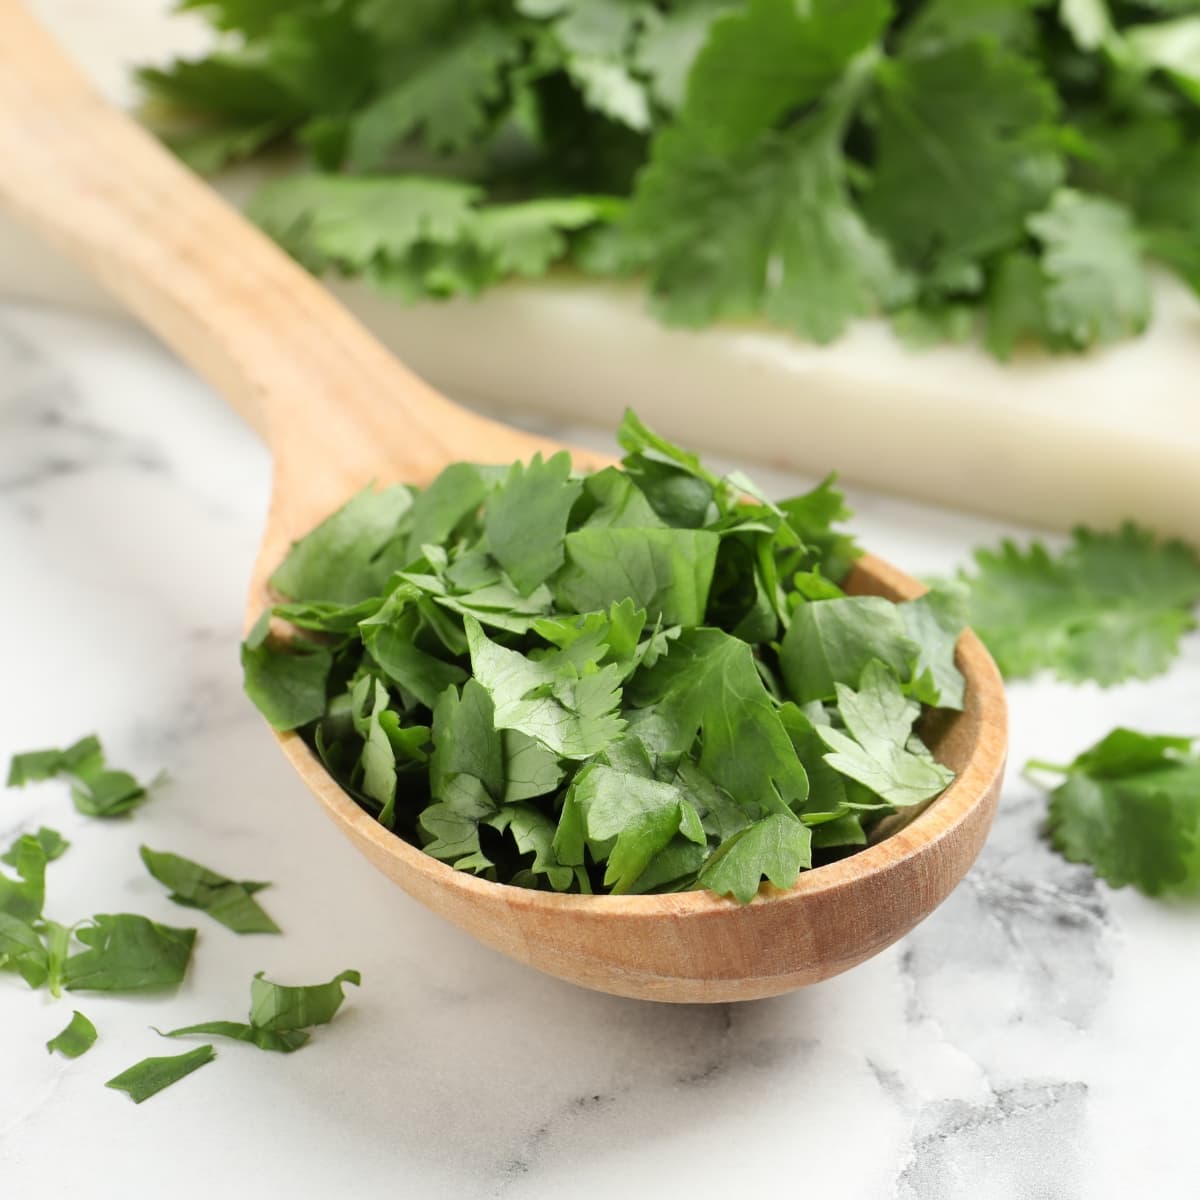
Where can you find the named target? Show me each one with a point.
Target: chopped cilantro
(632, 681)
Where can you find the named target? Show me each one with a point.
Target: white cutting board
(1053, 441)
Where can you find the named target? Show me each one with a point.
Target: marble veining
(1030, 1041)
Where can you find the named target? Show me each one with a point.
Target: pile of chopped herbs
(1000, 166)
(639, 680)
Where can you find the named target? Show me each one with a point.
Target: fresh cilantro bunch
(639, 680)
(1130, 807)
(1001, 165)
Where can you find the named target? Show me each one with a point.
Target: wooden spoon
(338, 411)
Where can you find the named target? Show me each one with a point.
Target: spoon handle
(287, 356)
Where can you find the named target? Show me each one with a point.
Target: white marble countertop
(1034, 1038)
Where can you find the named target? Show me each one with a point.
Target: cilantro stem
(1037, 764)
(847, 94)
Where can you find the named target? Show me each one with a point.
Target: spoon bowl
(339, 412)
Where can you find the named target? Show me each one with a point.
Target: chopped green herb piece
(96, 789)
(78, 1037)
(224, 900)
(280, 1017)
(151, 1075)
(128, 953)
(53, 844)
(878, 748)
(279, 1008)
(1130, 808)
(22, 950)
(284, 1041)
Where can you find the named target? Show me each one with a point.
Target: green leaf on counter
(1129, 807)
(53, 845)
(96, 789)
(283, 1042)
(225, 900)
(128, 953)
(77, 1038)
(1108, 607)
(151, 1075)
(281, 1008)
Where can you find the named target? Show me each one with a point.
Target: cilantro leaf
(777, 848)
(628, 820)
(53, 845)
(1016, 303)
(287, 687)
(832, 641)
(665, 572)
(446, 94)
(570, 713)
(77, 1038)
(96, 789)
(280, 1017)
(1110, 606)
(344, 559)
(707, 683)
(128, 953)
(877, 747)
(767, 227)
(595, 38)
(964, 153)
(669, 43)
(151, 1075)
(1130, 808)
(284, 1042)
(933, 622)
(1097, 289)
(22, 950)
(527, 518)
(224, 899)
(34, 766)
(279, 1008)
(24, 900)
(769, 56)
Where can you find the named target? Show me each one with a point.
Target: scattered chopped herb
(78, 1037)
(280, 1017)
(128, 953)
(1108, 607)
(53, 844)
(632, 681)
(225, 900)
(151, 1075)
(1130, 807)
(749, 159)
(96, 789)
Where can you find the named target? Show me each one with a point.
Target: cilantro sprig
(637, 680)
(1005, 167)
(1108, 607)
(1130, 807)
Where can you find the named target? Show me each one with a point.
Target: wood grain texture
(339, 412)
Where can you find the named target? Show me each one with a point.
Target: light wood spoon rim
(338, 412)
